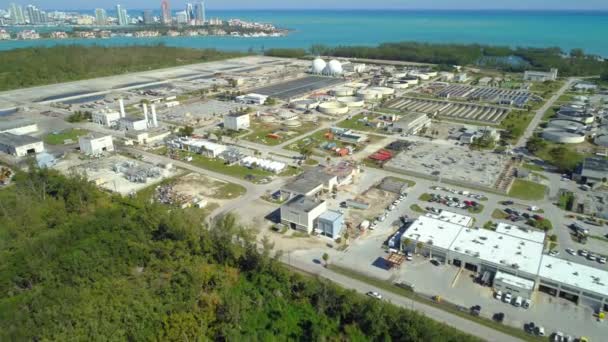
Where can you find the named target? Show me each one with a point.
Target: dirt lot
(378, 200)
(197, 185)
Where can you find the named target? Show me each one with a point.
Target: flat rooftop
(308, 181)
(331, 215)
(12, 124)
(298, 87)
(499, 249)
(303, 204)
(532, 235)
(9, 139)
(426, 229)
(516, 281)
(587, 278)
(454, 218)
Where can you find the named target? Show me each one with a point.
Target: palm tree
(419, 246)
(406, 243)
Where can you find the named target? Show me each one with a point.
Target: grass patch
(476, 209)
(527, 190)
(569, 159)
(499, 214)
(417, 208)
(290, 172)
(451, 308)
(230, 191)
(489, 225)
(57, 138)
(354, 123)
(533, 167)
(566, 200)
(311, 162)
(539, 175)
(409, 183)
(546, 89)
(260, 133)
(516, 123)
(425, 197)
(599, 238)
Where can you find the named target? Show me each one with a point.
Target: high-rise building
(165, 12)
(101, 18)
(190, 13)
(181, 17)
(199, 13)
(148, 18)
(34, 15)
(17, 14)
(121, 14)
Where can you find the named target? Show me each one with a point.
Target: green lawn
(409, 183)
(499, 214)
(229, 191)
(568, 161)
(546, 89)
(533, 167)
(527, 190)
(417, 208)
(355, 124)
(425, 197)
(57, 138)
(384, 285)
(477, 209)
(314, 141)
(516, 122)
(259, 133)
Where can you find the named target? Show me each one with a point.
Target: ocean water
(564, 29)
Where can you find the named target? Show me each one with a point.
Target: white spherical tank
(333, 68)
(318, 65)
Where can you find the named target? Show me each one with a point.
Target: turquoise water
(567, 30)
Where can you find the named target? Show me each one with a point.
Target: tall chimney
(154, 119)
(121, 102)
(146, 114)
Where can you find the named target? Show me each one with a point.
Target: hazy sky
(359, 4)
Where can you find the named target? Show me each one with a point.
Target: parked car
(518, 301)
(583, 252)
(554, 252)
(507, 298)
(498, 295)
(558, 336)
(591, 257)
(374, 294)
(530, 328)
(570, 251)
(408, 256)
(475, 310)
(601, 260)
(508, 203)
(526, 304)
(540, 331)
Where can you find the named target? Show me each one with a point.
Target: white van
(518, 301)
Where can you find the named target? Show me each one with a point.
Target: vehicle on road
(508, 203)
(499, 317)
(374, 294)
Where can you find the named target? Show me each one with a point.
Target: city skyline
(336, 4)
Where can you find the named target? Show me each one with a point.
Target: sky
(333, 4)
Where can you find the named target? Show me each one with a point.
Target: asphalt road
(439, 315)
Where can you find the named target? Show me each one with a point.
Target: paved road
(457, 322)
(541, 112)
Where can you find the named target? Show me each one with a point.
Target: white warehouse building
(95, 144)
(513, 254)
(20, 145)
(236, 121)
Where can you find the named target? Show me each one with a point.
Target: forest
(572, 63)
(81, 264)
(30, 67)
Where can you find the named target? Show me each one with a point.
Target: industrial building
(20, 145)
(147, 137)
(203, 147)
(95, 144)
(330, 224)
(19, 127)
(592, 170)
(301, 213)
(412, 123)
(255, 99)
(236, 121)
(540, 76)
(514, 255)
(106, 117)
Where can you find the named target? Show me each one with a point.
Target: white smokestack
(154, 119)
(146, 113)
(121, 102)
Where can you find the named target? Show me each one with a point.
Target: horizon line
(371, 9)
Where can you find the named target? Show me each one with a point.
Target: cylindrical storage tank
(385, 91)
(333, 108)
(304, 104)
(343, 91)
(601, 140)
(351, 101)
(563, 137)
(355, 85)
(369, 94)
(292, 123)
(410, 80)
(399, 85)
